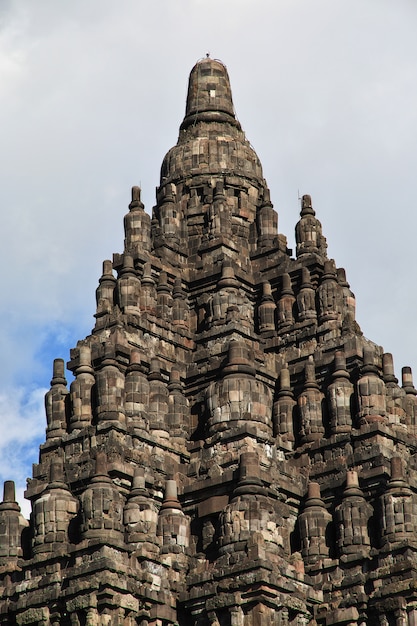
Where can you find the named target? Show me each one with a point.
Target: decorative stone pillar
(267, 310)
(267, 222)
(81, 391)
(140, 517)
(398, 508)
(308, 232)
(105, 290)
(340, 396)
(169, 215)
(286, 304)
(137, 225)
(306, 298)
(283, 412)
(310, 406)
(238, 399)
(250, 483)
(110, 389)
(330, 295)
(313, 525)
(102, 507)
(180, 309)
(349, 301)
(158, 400)
(12, 524)
(249, 524)
(410, 399)
(137, 392)
(147, 300)
(371, 391)
(173, 525)
(219, 217)
(57, 402)
(178, 407)
(128, 287)
(53, 511)
(352, 517)
(163, 297)
(395, 395)
(226, 297)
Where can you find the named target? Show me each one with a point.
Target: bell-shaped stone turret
(286, 304)
(81, 391)
(352, 517)
(330, 295)
(137, 224)
(128, 287)
(410, 399)
(180, 308)
(12, 524)
(102, 507)
(105, 290)
(53, 511)
(140, 518)
(267, 310)
(267, 222)
(349, 301)
(169, 215)
(238, 400)
(137, 392)
(399, 507)
(219, 215)
(228, 296)
(147, 300)
(158, 400)
(110, 382)
(283, 413)
(178, 407)
(313, 525)
(57, 402)
(173, 525)
(249, 524)
(371, 391)
(163, 297)
(340, 395)
(306, 298)
(310, 406)
(308, 232)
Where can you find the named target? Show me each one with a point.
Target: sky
(92, 93)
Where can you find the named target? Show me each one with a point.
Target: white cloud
(22, 420)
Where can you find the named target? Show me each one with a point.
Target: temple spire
(209, 95)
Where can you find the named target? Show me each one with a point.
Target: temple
(231, 451)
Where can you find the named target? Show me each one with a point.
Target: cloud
(22, 430)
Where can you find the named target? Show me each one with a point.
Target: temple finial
(209, 96)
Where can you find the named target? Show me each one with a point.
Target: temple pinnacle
(209, 94)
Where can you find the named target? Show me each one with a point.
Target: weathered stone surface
(232, 451)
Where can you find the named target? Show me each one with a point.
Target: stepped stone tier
(232, 451)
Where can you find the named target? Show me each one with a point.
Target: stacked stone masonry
(231, 451)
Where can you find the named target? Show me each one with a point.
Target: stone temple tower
(231, 451)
